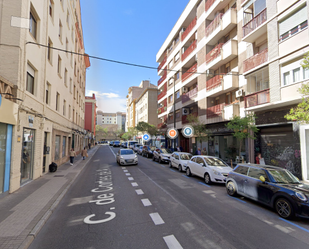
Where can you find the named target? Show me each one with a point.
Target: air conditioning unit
(185, 111)
(239, 93)
(185, 89)
(210, 73)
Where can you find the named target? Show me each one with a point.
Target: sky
(130, 31)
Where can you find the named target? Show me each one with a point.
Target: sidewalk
(24, 212)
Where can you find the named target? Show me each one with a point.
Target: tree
(300, 113)
(243, 128)
(130, 133)
(146, 127)
(199, 128)
(101, 132)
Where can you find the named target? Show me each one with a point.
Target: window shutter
(292, 21)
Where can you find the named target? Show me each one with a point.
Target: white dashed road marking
(156, 218)
(125, 170)
(172, 242)
(130, 178)
(134, 184)
(139, 192)
(123, 167)
(128, 174)
(146, 202)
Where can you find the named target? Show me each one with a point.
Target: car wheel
(231, 188)
(188, 172)
(180, 168)
(153, 158)
(170, 164)
(147, 155)
(160, 161)
(284, 208)
(207, 179)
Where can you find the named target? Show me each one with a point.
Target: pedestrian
(178, 149)
(84, 153)
(204, 151)
(257, 158)
(89, 146)
(198, 151)
(72, 155)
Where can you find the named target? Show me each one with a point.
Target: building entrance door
(27, 155)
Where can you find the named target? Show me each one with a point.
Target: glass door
(3, 132)
(27, 155)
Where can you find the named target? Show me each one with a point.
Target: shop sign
(30, 119)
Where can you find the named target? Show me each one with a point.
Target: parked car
(140, 150)
(116, 144)
(131, 144)
(111, 143)
(148, 151)
(180, 160)
(162, 155)
(275, 187)
(124, 144)
(212, 169)
(136, 147)
(126, 157)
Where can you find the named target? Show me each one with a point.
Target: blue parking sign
(146, 137)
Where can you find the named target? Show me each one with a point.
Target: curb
(30, 237)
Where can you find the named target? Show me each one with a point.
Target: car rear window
(215, 162)
(241, 170)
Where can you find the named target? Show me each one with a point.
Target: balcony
(214, 82)
(162, 63)
(184, 118)
(214, 111)
(221, 54)
(163, 108)
(214, 24)
(208, 4)
(189, 95)
(189, 72)
(256, 60)
(163, 92)
(255, 24)
(258, 98)
(163, 124)
(188, 51)
(163, 77)
(188, 29)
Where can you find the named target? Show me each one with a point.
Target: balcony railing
(214, 82)
(163, 77)
(208, 4)
(254, 23)
(256, 60)
(214, 24)
(214, 53)
(162, 63)
(188, 29)
(189, 72)
(188, 51)
(215, 111)
(184, 118)
(163, 93)
(163, 108)
(189, 95)
(257, 98)
(163, 124)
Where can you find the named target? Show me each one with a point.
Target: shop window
(64, 140)
(57, 147)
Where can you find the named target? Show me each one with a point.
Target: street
(154, 206)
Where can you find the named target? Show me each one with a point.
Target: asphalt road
(153, 206)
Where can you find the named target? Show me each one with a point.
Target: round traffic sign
(172, 133)
(146, 137)
(187, 131)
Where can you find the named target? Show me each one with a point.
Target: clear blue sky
(130, 31)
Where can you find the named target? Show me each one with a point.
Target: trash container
(53, 167)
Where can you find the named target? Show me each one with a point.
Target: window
(241, 170)
(74, 92)
(33, 25)
(60, 30)
(170, 64)
(59, 66)
(256, 173)
(57, 101)
(63, 146)
(177, 57)
(296, 74)
(66, 45)
(61, 1)
(293, 72)
(200, 161)
(65, 77)
(47, 93)
(64, 107)
(30, 79)
(170, 98)
(258, 81)
(171, 81)
(50, 50)
(177, 75)
(71, 85)
(69, 111)
(68, 18)
(286, 77)
(177, 94)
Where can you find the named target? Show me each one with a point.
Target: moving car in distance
(148, 151)
(126, 157)
(162, 155)
(116, 144)
(212, 169)
(273, 186)
(180, 160)
(124, 144)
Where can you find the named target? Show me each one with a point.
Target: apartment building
(90, 118)
(142, 104)
(105, 119)
(224, 58)
(47, 85)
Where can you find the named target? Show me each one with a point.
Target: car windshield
(282, 176)
(185, 156)
(126, 152)
(166, 151)
(217, 162)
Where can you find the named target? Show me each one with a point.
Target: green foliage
(300, 113)
(146, 127)
(200, 130)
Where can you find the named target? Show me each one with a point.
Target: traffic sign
(146, 137)
(187, 131)
(172, 133)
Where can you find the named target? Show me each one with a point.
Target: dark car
(116, 144)
(111, 143)
(273, 186)
(148, 151)
(162, 155)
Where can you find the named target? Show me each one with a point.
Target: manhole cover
(58, 175)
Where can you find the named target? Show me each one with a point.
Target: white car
(126, 157)
(136, 147)
(212, 169)
(180, 160)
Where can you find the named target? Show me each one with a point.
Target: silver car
(180, 160)
(126, 157)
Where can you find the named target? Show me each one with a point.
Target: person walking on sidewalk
(84, 153)
(72, 155)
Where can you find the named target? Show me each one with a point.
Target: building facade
(90, 118)
(48, 85)
(227, 58)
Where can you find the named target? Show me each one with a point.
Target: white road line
(130, 178)
(125, 170)
(139, 192)
(172, 242)
(209, 192)
(146, 202)
(123, 167)
(128, 174)
(134, 184)
(156, 218)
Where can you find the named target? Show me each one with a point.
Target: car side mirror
(262, 178)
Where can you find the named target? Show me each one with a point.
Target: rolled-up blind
(292, 21)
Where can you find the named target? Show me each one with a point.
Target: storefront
(27, 161)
